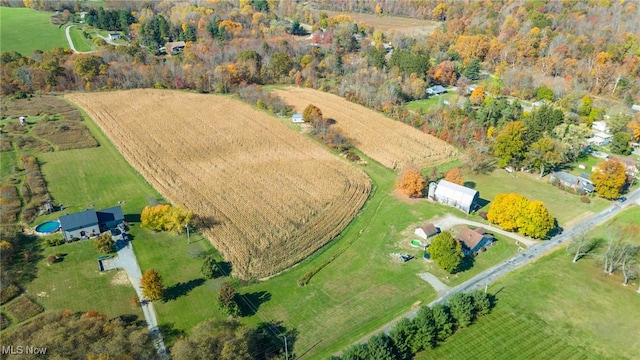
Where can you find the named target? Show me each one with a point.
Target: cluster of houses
(90, 223)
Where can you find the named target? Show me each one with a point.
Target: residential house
(87, 223)
(600, 126)
(579, 184)
(473, 240)
(458, 196)
(175, 47)
(114, 36)
(436, 90)
(635, 107)
(426, 231)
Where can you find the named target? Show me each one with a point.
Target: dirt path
(449, 221)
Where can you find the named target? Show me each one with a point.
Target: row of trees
(429, 327)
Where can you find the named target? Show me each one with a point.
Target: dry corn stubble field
(391, 143)
(266, 196)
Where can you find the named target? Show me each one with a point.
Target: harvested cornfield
(391, 143)
(265, 196)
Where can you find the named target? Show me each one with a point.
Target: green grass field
(81, 43)
(25, 30)
(561, 204)
(555, 309)
(76, 283)
(429, 103)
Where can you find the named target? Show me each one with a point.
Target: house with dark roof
(473, 240)
(458, 196)
(426, 231)
(87, 223)
(579, 184)
(436, 90)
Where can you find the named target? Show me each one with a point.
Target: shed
(426, 231)
(297, 118)
(458, 196)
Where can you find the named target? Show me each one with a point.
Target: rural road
(126, 260)
(527, 256)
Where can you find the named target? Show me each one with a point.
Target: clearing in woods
(265, 196)
(391, 143)
(388, 23)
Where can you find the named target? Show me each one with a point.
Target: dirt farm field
(266, 196)
(386, 23)
(389, 142)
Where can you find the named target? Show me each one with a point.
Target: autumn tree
(312, 114)
(514, 212)
(165, 218)
(543, 154)
(455, 176)
(634, 126)
(227, 300)
(509, 146)
(446, 252)
(477, 96)
(411, 182)
(151, 284)
(104, 243)
(609, 178)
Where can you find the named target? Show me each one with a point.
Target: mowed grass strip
(389, 142)
(80, 42)
(25, 30)
(265, 196)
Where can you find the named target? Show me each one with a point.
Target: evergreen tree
(472, 70)
(462, 309)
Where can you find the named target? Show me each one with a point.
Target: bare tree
(629, 265)
(582, 247)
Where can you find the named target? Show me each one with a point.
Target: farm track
(266, 196)
(391, 143)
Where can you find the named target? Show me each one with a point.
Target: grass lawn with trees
(76, 283)
(430, 102)
(25, 30)
(562, 205)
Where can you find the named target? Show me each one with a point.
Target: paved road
(126, 260)
(527, 256)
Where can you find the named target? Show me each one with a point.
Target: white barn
(457, 196)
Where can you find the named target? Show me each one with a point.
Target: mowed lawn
(562, 205)
(80, 42)
(430, 102)
(364, 288)
(555, 309)
(25, 30)
(76, 283)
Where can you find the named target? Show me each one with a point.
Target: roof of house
(437, 89)
(456, 192)
(635, 107)
(471, 238)
(573, 180)
(110, 214)
(78, 220)
(585, 176)
(429, 229)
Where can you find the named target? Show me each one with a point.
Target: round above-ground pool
(47, 227)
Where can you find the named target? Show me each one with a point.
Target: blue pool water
(48, 227)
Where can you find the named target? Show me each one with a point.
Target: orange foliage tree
(455, 176)
(411, 182)
(609, 178)
(477, 96)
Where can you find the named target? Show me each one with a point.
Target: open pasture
(388, 23)
(391, 143)
(25, 30)
(265, 197)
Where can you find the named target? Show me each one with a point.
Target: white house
(600, 126)
(114, 36)
(436, 90)
(297, 118)
(457, 196)
(635, 107)
(600, 139)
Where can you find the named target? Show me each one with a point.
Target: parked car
(622, 199)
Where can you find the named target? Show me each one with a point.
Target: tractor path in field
(127, 261)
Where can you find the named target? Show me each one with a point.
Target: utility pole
(188, 239)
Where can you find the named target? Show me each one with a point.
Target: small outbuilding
(473, 240)
(426, 231)
(457, 196)
(297, 118)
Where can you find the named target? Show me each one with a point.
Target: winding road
(527, 256)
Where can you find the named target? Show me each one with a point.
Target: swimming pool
(47, 227)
